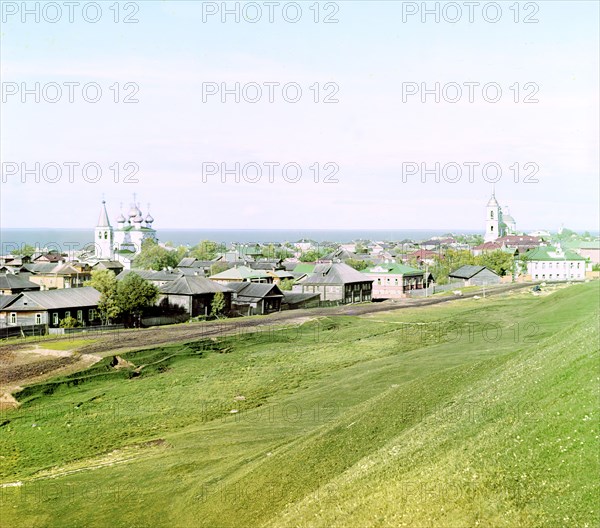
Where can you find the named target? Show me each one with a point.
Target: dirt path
(14, 375)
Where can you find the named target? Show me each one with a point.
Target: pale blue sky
(370, 133)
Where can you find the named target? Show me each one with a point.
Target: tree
(359, 247)
(358, 264)
(105, 282)
(24, 251)
(499, 261)
(286, 284)
(312, 255)
(218, 267)
(134, 294)
(309, 256)
(205, 250)
(218, 304)
(69, 322)
(154, 257)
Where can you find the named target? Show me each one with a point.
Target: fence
(165, 320)
(435, 289)
(22, 331)
(84, 329)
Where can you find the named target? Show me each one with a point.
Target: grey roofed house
(334, 273)
(49, 307)
(259, 297)
(191, 262)
(475, 275)
(112, 265)
(43, 267)
(56, 299)
(194, 294)
(5, 300)
(336, 282)
(193, 285)
(254, 290)
(466, 272)
(10, 284)
(157, 277)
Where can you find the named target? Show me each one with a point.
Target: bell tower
(103, 235)
(493, 219)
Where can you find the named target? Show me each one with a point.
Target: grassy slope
(369, 422)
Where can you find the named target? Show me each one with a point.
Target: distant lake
(65, 239)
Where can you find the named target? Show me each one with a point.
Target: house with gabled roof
(158, 278)
(50, 275)
(474, 276)
(52, 306)
(252, 298)
(241, 274)
(194, 294)
(394, 281)
(336, 282)
(10, 284)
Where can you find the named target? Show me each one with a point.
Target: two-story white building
(550, 263)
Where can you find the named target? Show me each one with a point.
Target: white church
(498, 221)
(124, 243)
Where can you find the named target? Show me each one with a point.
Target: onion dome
(149, 219)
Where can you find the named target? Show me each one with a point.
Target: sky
(366, 158)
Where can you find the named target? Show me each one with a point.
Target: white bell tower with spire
(493, 219)
(103, 236)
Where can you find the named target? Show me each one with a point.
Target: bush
(69, 322)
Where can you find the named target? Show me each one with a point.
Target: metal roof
(336, 273)
(466, 272)
(240, 273)
(55, 299)
(192, 285)
(152, 275)
(255, 291)
(15, 282)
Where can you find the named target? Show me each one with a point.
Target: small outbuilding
(474, 276)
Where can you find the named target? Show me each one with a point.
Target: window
(105, 235)
(80, 315)
(13, 318)
(38, 318)
(100, 235)
(92, 314)
(492, 217)
(55, 318)
(67, 314)
(492, 228)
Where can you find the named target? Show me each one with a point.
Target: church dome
(121, 219)
(149, 219)
(133, 211)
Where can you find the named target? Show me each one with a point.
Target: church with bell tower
(498, 221)
(124, 243)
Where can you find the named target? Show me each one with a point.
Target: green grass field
(470, 413)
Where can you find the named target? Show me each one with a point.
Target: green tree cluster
(124, 298)
(155, 257)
